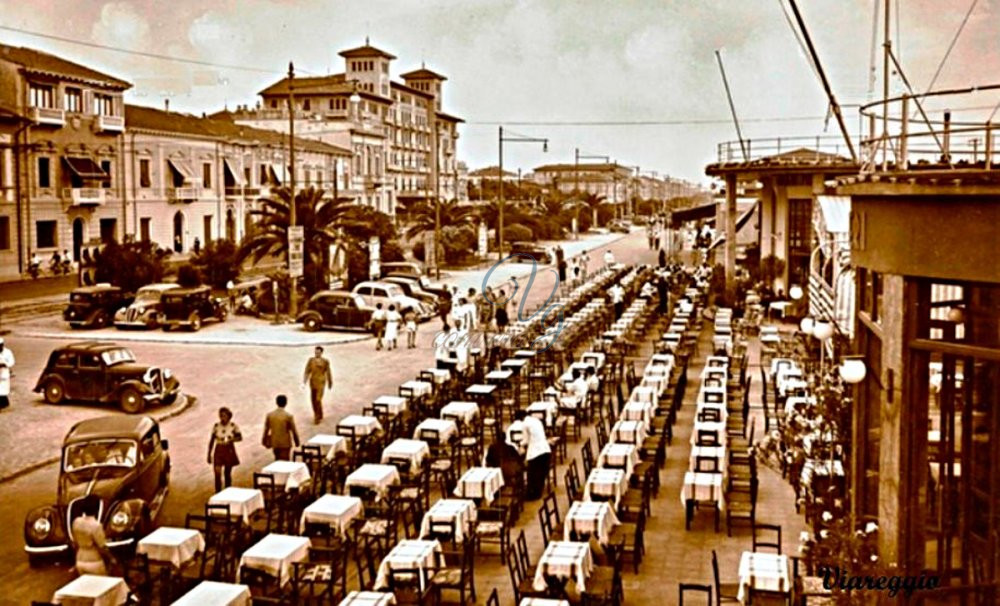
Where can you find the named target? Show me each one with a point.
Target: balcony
(243, 192)
(85, 196)
(48, 115)
(183, 194)
(114, 124)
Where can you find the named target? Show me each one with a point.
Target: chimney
(166, 105)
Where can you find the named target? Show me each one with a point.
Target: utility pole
(500, 212)
(437, 195)
(293, 294)
(732, 107)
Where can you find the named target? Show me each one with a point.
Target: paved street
(243, 377)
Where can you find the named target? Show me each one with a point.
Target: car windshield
(99, 453)
(79, 297)
(117, 356)
(393, 290)
(148, 296)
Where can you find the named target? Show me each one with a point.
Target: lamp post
(576, 176)
(293, 298)
(510, 138)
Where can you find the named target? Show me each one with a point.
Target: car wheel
(100, 320)
(195, 322)
(311, 324)
(131, 400)
(36, 560)
(223, 314)
(54, 391)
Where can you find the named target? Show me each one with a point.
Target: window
(274, 104)
(144, 179)
(73, 100)
(247, 177)
(109, 230)
(104, 105)
(207, 227)
(106, 167)
(66, 360)
(263, 174)
(148, 445)
(45, 234)
(144, 229)
(206, 175)
(44, 172)
(306, 105)
(4, 232)
(40, 95)
(89, 360)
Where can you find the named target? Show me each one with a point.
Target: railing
(111, 123)
(183, 194)
(85, 196)
(820, 148)
(243, 192)
(48, 115)
(903, 134)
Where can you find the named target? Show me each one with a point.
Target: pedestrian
(609, 258)
(577, 272)
(585, 265)
(6, 364)
(662, 258)
(500, 315)
(444, 310)
(280, 434)
(410, 321)
(197, 245)
(537, 452)
(392, 320)
(661, 291)
(377, 325)
(472, 310)
(486, 308)
(617, 294)
(222, 449)
(561, 264)
(92, 553)
(319, 377)
(231, 293)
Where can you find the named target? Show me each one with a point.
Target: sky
(567, 70)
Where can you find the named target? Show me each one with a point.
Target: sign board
(430, 255)
(374, 258)
(483, 241)
(296, 250)
(574, 227)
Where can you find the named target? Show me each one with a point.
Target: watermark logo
(838, 579)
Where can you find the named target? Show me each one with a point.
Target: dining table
(92, 590)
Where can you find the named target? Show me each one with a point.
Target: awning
(741, 222)
(836, 213)
(277, 173)
(183, 168)
(85, 167)
(233, 171)
(705, 211)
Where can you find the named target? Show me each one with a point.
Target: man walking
(537, 452)
(6, 364)
(280, 434)
(617, 294)
(561, 264)
(318, 376)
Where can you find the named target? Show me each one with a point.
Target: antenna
(732, 108)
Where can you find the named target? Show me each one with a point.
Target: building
(191, 180)
(612, 181)
(403, 143)
(490, 173)
(61, 136)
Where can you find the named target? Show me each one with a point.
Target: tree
(218, 262)
(131, 265)
(453, 214)
(593, 202)
(324, 221)
(188, 276)
(362, 224)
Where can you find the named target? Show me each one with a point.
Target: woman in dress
(501, 311)
(222, 449)
(392, 320)
(92, 553)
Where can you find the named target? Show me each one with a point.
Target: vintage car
(439, 290)
(335, 309)
(190, 307)
(619, 226)
(95, 306)
(391, 294)
(403, 268)
(120, 459)
(538, 252)
(104, 372)
(411, 288)
(144, 312)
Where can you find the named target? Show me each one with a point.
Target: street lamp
(852, 370)
(510, 138)
(795, 292)
(806, 325)
(577, 156)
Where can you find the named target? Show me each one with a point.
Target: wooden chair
(587, 456)
(454, 572)
(767, 536)
(574, 490)
(633, 545)
(521, 584)
(724, 592)
(494, 599)
(604, 586)
(410, 586)
(323, 577)
(367, 558)
(741, 507)
(706, 464)
(493, 526)
(685, 588)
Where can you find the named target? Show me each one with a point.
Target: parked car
(190, 307)
(335, 309)
(411, 288)
(104, 372)
(388, 294)
(120, 459)
(95, 306)
(403, 268)
(540, 253)
(439, 290)
(619, 227)
(144, 311)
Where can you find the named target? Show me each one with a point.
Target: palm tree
(325, 222)
(453, 214)
(593, 202)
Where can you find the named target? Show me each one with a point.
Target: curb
(189, 401)
(186, 341)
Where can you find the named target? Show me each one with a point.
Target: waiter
(537, 453)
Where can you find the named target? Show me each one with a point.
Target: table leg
(688, 513)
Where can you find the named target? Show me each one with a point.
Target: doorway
(230, 226)
(178, 232)
(79, 230)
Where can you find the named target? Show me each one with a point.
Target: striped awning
(834, 302)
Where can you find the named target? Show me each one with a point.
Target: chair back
(443, 531)
(573, 488)
(523, 556)
(685, 588)
(587, 455)
(514, 569)
(709, 464)
(494, 599)
(710, 414)
(766, 536)
(708, 437)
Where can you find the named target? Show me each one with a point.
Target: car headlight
(71, 314)
(121, 519)
(42, 527)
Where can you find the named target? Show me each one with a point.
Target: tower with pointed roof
(369, 67)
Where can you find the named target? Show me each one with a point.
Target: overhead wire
(951, 46)
(677, 122)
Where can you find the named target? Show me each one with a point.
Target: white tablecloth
(516, 365)
(718, 428)
(461, 512)
(392, 405)
(481, 390)
(710, 452)
(638, 411)
(628, 432)
(619, 456)
(547, 407)
(329, 444)
(658, 383)
(368, 598)
(408, 553)
(542, 602)
(704, 488)
(611, 483)
(643, 393)
(334, 510)
(498, 376)
(598, 519)
(593, 357)
(419, 388)
(414, 451)
(290, 474)
(174, 545)
(274, 555)
(213, 593)
(466, 412)
(440, 375)
(243, 502)
(445, 428)
(361, 425)
(92, 589)
(480, 483)
(564, 560)
(377, 478)
(763, 571)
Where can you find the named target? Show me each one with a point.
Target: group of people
(574, 268)
(385, 324)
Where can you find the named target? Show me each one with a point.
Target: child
(410, 318)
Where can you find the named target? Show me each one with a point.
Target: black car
(190, 307)
(411, 288)
(337, 309)
(95, 306)
(120, 459)
(438, 290)
(540, 253)
(104, 373)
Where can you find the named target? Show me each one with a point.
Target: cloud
(120, 25)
